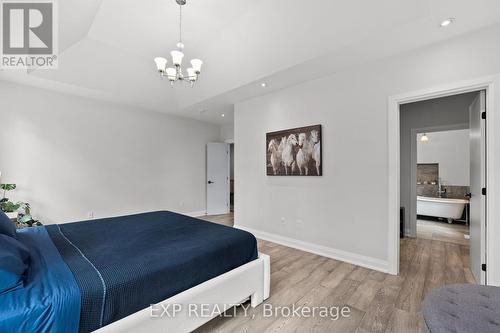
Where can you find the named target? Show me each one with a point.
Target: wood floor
(443, 231)
(226, 219)
(379, 302)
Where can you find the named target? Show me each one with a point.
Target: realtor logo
(29, 34)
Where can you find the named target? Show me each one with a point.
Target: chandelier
(175, 74)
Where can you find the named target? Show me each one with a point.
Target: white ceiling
(107, 46)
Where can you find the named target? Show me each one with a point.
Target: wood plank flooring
(378, 302)
(225, 219)
(443, 231)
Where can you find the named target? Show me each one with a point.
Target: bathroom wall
(449, 150)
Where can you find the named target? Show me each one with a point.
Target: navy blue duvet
(124, 264)
(49, 300)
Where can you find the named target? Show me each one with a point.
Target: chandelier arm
(181, 78)
(178, 73)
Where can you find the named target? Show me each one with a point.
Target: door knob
(468, 195)
(210, 182)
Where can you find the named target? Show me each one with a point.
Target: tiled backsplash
(427, 190)
(427, 173)
(456, 192)
(452, 191)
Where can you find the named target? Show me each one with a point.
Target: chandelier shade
(161, 64)
(175, 74)
(177, 57)
(196, 63)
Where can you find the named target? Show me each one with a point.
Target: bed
(104, 275)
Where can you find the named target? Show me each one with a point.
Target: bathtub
(450, 209)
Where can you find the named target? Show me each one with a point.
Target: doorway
(218, 178)
(396, 174)
(435, 138)
(436, 185)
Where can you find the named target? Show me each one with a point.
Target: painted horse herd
(295, 154)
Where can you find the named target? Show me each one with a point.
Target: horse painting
(294, 152)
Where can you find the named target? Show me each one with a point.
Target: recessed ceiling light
(223, 115)
(447, 22)
(263, 84)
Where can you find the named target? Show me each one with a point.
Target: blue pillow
(14, 263)
(7, 227)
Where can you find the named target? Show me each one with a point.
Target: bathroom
(443, 185)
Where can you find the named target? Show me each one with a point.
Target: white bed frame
(251, 280)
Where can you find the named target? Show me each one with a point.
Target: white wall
(345, 212)
(71, 155)
(227, 131)
(451, 150)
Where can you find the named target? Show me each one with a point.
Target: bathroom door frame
(393, 121)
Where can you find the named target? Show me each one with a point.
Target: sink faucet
(440, 188)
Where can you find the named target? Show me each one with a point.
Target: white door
(217, 178)
(477, 183)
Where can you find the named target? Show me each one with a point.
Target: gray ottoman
(463, 308)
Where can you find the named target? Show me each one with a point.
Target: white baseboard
(353, 258)
(196, 214)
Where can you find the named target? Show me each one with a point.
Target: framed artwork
(294, 152)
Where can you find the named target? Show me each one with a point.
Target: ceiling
(107, 46)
